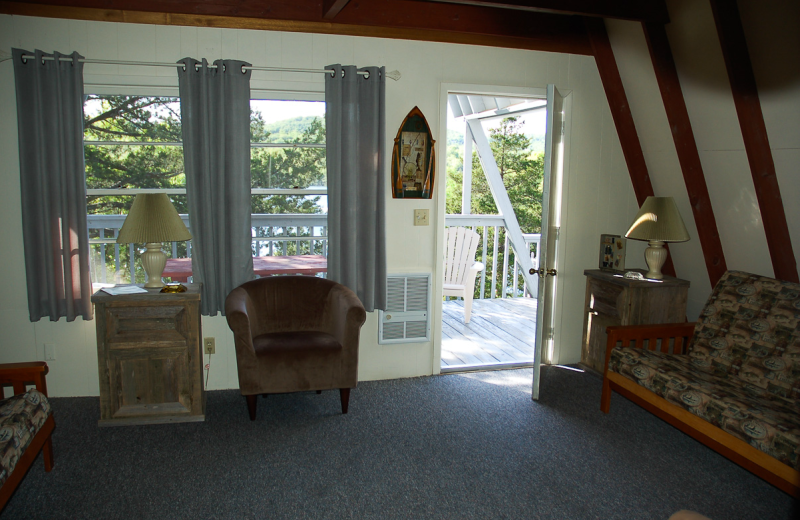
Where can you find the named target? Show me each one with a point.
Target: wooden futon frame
(674, 338)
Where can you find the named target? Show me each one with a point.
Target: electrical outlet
(209, 345)
(49, 352)
(421, 217)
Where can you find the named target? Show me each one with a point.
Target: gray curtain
(53, 185)
(355, 136)
(215, 118)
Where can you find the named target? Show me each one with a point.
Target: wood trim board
(756, 461)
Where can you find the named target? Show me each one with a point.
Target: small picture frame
(612, 253)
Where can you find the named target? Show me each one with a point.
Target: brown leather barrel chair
(293, 334)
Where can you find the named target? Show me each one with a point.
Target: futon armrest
(20, 374)
(637, 335)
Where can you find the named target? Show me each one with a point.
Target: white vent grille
(407, 315)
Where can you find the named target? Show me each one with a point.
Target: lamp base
(154, 260)
(655, 255)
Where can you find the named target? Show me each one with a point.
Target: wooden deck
(499, 333)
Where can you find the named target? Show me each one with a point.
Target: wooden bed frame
(674, 338)
(19, 375)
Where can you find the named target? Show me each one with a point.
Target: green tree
(521, 172)
(291, 167)
(132, 119)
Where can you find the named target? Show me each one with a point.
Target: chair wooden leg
(344, 394)
(47, 454)
(252, 402)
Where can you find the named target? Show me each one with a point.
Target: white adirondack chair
(460, 267)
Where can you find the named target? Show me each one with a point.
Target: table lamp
(658, 221)
(153, 220)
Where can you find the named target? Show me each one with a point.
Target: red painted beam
(649, 11)
(621, 112)
(685, 145)
(405, 19)
(330, 8)
(754, 133)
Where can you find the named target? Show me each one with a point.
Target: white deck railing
(272, 235)
(303, 234)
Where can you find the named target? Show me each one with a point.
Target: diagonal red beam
(621, 112)
(330, 8)
(686, 146)
(754, 134)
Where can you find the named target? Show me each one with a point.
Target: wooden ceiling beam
(756, 141)
(621, 113)
(330, 8)
(686, 146)
(637, 10)
(401, 19)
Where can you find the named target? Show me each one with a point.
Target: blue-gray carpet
(454, 446)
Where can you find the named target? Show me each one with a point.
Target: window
(132, 144)
(287, 165)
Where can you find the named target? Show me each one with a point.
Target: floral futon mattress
(742, 370)
(21, 418)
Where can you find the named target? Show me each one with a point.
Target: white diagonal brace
(521, 252)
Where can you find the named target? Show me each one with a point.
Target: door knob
(552, 272)
(533, 271)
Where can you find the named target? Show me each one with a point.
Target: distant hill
(456, 138)
(287, 130)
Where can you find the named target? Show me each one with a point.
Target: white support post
(466, 184)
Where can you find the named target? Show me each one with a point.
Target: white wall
(774, 45)
(598, 195)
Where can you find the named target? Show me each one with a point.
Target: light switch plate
(421, 217)
(49, 352)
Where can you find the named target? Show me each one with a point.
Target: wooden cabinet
(149, 357)
(612, 299)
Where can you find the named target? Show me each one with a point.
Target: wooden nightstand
(149, 357)
(612, 299)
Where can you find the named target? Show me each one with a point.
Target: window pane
(294, 122)
(287, 121)
(123, 166)
(132, 118)
(128, 120)
(273, 204)
(288, 168)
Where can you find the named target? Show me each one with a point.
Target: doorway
(500, 157)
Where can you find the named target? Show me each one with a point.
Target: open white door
(551, 224)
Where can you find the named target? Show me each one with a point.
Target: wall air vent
(407, 315)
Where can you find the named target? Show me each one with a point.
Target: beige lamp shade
(153, 218)
(659, 220)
